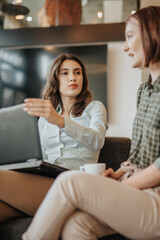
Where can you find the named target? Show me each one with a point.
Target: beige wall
(123, 83)
(145, 3)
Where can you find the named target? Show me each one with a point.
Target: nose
(72, 77)
(125, 48)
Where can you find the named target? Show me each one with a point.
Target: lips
(74, 85)
(130, 54)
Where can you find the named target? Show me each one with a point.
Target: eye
(64, 73)
(129, 36)
(78, 73)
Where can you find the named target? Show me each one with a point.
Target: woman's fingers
(34, 109)
(39, 108)
(36, 103)
(34, 100)
(36, 114)
(108, 172)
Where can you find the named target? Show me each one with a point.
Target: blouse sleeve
(41, 124)
(93, 136)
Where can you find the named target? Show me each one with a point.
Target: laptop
(20, 148)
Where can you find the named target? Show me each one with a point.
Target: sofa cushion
(13, 229)
(115, 151)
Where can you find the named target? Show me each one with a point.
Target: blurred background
(32, 13)
(33, 32)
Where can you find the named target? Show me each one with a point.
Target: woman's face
(133, 44)
(70, 79)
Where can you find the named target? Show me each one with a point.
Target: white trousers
(82, 206)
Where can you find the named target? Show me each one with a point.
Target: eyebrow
(128, 32)
(66, 69)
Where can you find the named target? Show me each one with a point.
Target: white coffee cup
(94, 168)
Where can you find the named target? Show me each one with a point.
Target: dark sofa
(115, 151)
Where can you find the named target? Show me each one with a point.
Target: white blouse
(79, 142)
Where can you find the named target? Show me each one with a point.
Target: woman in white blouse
(72, 131)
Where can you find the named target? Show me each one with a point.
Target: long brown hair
(149, 23)
(51, 89)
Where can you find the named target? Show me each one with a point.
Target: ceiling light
(29, 18)
(99, 14)
(19, 17)
(17, 1)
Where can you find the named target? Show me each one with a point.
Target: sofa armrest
(115, 151)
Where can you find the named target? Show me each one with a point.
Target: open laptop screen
(19, 136)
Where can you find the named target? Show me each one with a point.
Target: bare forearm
(149, 177)
(59, 121)
(119, 173)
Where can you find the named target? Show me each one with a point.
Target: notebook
(20, 148)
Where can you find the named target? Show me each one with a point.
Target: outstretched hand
(43, 108)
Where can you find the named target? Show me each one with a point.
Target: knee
(2, 173)
(68, 175)
(78, 226)
(73, 185)
(68, 178)
(71, 181)
(3, 177)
